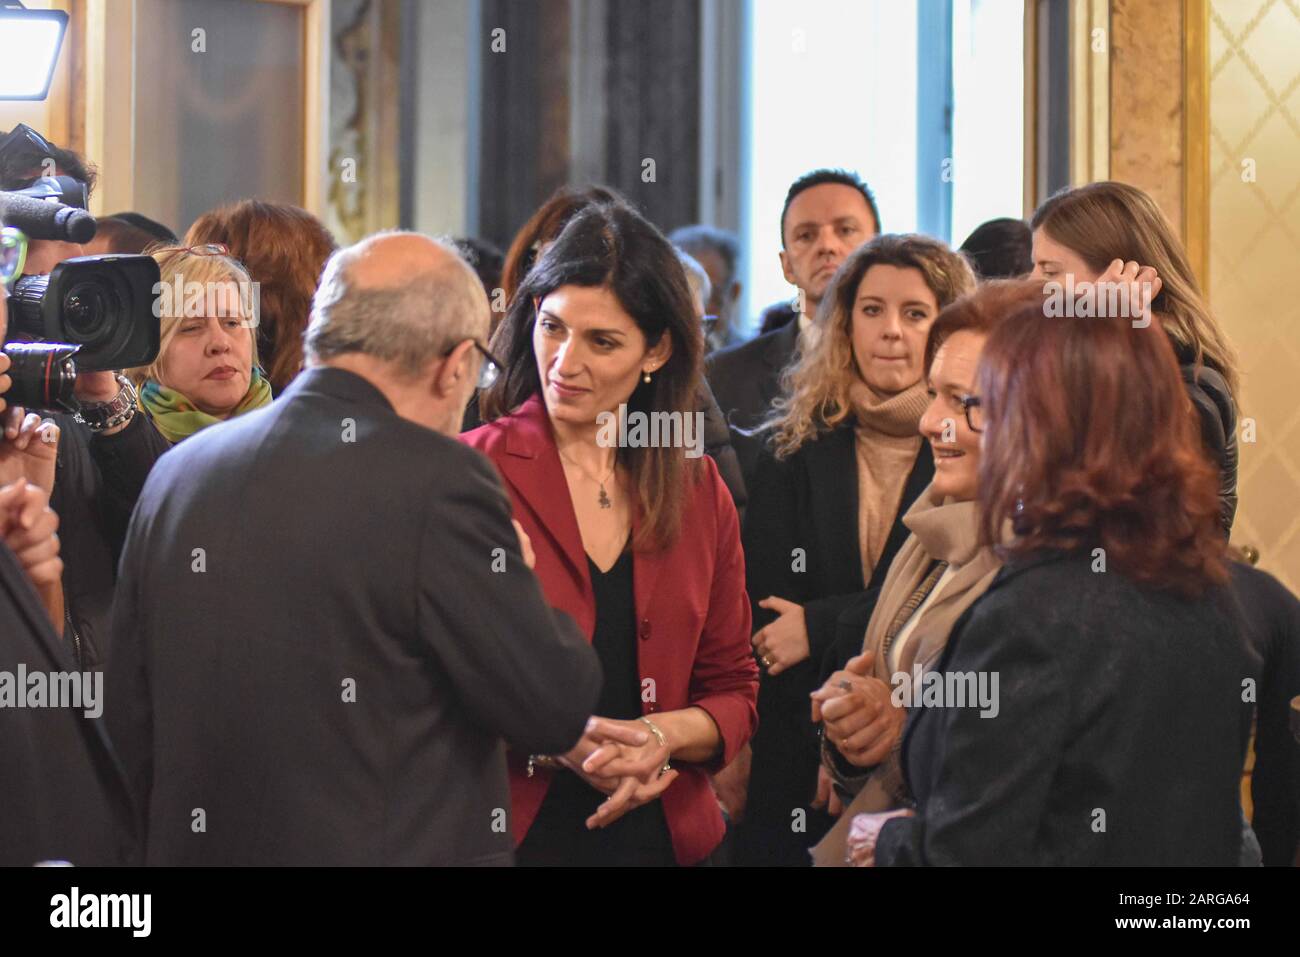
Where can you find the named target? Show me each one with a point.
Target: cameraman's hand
(99, 387)
(29, 449)
(95, 387)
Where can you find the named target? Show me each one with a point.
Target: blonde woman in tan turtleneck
(844, 460)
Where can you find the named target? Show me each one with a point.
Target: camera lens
(43, 376)
(87, 309)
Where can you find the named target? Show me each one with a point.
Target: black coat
(746, 380)
(1119, 736)
(1217, 414)
(63, 796)
(331, 678)
(1270, 618)
(96, 485)
(808, 501)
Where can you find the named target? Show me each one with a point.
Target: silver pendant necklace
(604, 500)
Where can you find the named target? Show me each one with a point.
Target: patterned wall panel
(1255, 256)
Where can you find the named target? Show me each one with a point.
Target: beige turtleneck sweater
(887, 441)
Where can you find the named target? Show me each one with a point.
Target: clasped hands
(858, 719)
(623, 760)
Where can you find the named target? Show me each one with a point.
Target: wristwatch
(102, 416)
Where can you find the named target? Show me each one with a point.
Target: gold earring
(646, 378)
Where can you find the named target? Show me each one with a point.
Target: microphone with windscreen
(46, 219)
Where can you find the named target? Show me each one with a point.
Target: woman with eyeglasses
(206, 370)
(941, 570)
(1116, 727)
(635, 536)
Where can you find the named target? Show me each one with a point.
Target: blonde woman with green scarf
(207, 369)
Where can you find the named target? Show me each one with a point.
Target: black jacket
(324, 631)
(1119, 735)
(808, 501)
(1270, 617)
(97, 483)
(1208, 390)
(63, 796)
(746, 380)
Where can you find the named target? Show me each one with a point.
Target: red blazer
(692, 611)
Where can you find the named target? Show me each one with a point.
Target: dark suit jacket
(1270, 620)
(810, 502)
(330, 678)
(1119, 737)
(693, 614)
(62, 791)
(746, 380)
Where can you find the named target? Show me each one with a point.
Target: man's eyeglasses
(489, 371)
(13, 255)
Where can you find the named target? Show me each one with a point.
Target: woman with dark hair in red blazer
(592, 427)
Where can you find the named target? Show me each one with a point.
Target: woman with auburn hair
(941, 570)
(639, 542)
(1111, 232)
(284, 249)
(1109, 727)
(845, 461)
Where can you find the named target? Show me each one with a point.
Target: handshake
(621, 760)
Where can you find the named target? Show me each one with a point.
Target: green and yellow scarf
(177, 418)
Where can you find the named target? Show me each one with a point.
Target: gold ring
(767, 662)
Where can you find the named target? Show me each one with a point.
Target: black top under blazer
(1119, 738)
(334, 677)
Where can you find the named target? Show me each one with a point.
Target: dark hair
(151, 226)
(984, 309)
(284, 249)
(820, 177)
(1089, 440)
(693, 239)
(116, 235)
(610, 245)
(20, 165)
(542, 228)
(1000, 249)
(483, 257)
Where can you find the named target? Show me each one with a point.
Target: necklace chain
(603, 500)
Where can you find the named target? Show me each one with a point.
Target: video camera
(98, 309)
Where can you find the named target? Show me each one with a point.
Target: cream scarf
(946, 531)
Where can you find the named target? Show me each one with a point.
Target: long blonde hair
(1106, 221)
(815, 390)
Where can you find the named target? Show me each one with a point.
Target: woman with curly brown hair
(846, 461)
(284, 249)
(1115, 730)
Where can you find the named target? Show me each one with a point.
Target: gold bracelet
(661, 738)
